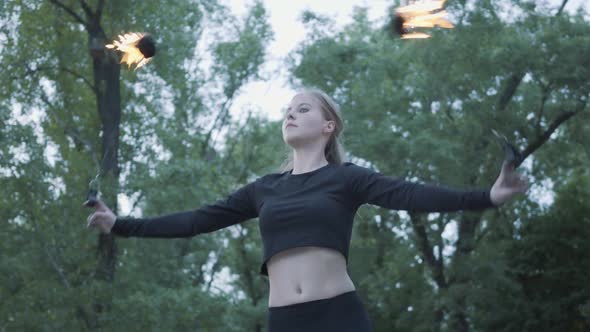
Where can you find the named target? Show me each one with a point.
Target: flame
(426, 14)
(415, 35)
(127, 44)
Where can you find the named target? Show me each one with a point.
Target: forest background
(164, 140)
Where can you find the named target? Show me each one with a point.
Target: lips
(290, 125)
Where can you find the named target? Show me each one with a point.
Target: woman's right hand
(103, 218)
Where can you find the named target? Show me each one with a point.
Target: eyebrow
(288, 108)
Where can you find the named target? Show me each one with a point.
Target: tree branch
(544, 97)
(466, 233)
(57, 268)
(86, 8)
(220, 116)
(80, 76)
(99, 9)
(248, 283)
(481, 235)
(67, 70)
(426, 249)
(540, 140)
(40, 238)
(447, 112)
(230, 150)
(509, 90)
(214, 268)
(73, 133)
(561, 7)
(514, 81)
(137, 201)
(70, 11)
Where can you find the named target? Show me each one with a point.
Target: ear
(329, 126)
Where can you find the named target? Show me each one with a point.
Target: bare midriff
(305, 274)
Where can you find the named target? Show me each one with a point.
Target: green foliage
(49, 260)
(239, 60)
(424, 110)
(420, 109)
(549, 260)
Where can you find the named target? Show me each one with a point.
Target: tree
(122, 124)
(424, 110)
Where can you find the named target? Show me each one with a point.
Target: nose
(288, 117)
(289, 114)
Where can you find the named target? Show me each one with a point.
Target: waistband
(314, 304)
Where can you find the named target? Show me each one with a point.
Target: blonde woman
(306, 213)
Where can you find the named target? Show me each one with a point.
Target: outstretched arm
(372, 187)
(235, 208)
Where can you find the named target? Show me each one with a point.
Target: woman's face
(305, 113)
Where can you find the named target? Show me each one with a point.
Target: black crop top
(316, 208)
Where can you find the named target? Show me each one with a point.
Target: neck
(307, 159)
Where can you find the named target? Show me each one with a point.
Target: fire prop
(137, 48)
(426, 14)
(92, 196)
(511, 154)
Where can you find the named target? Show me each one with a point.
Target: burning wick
(137, 48)
(424, 15)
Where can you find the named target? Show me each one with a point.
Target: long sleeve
(237, 207)
(372, 187)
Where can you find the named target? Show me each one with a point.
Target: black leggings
(342, 313)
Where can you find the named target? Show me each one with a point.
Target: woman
(306, 213)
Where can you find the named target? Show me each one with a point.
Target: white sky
(271, 95)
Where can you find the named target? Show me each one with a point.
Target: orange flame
(127, 44)
(423, 15)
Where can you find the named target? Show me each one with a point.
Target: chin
(291, 140)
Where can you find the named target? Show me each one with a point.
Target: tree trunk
(106, 70)
(106, 79)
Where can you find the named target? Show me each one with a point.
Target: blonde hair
(334, 150)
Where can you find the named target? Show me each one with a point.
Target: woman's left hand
(508, 184)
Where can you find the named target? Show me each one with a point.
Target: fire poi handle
(92, 195)
(511, 154)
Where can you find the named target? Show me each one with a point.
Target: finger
(89, 221)
(100, 205)
(507, 166)
(502, 170)
(98, 215)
